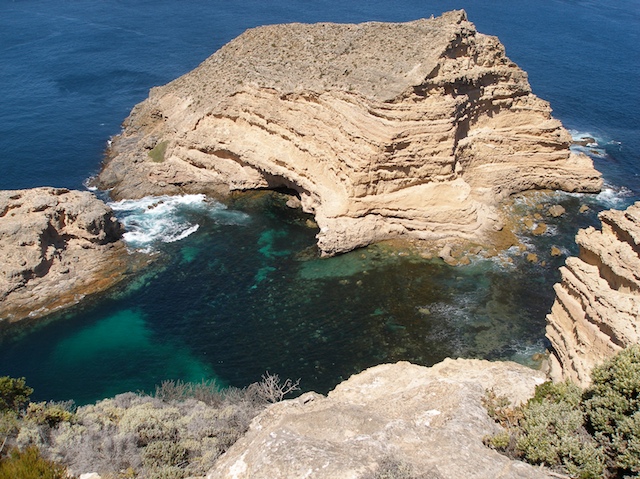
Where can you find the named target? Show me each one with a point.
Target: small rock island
(416, 130)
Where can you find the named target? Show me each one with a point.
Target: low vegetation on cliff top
(591, 433)
(178, 432)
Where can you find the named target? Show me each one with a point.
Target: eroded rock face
(415, 129)
(430, 419)
(56, 247)
(597, 308)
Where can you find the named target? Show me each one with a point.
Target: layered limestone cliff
(56, 246)
(383, 130)
(597, 308)
(429, 420)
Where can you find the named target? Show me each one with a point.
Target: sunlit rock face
(57, 246)
(430, 420)
(383, 130)
(597, 308)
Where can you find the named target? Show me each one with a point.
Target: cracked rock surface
(431, 420)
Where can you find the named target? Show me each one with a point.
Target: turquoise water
(238, 290)
(246, 293)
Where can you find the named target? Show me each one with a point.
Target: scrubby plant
(209, 392)
(272, 389)
(586, 434)
(612, 407)
(14, 393)
(49, 413)
(179, 432)
(157, 152)
(29, 464)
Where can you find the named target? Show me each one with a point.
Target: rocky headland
(416, 130)
(57, 246)
(597, 308)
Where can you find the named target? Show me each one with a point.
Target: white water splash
(165, 219)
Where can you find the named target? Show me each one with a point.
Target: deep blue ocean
(237, 290)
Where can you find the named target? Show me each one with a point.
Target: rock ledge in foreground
(57, 246)
(383, 130)
(431, 419)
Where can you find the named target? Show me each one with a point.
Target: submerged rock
(414, 129)
(57, 246)
(597, 308)
(430, 420)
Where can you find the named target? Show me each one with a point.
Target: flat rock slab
(431, 420)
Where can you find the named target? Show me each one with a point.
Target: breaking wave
(164, 219)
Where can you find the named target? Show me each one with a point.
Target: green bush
(14, 393)
(29, 464)
(612, 407)
(48, 413)
(178, 433)
(163, 453)
(587, 434)
(552, 432)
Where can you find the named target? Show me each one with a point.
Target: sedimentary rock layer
(56, 247)
(431, 420)
(414, 129)
(597, 308)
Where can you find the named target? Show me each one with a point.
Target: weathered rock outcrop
(429, 419)
(383, 130)
(56, 247)
(597, 308)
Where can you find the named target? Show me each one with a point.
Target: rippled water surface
(236, 290)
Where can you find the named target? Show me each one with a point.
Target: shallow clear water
(238, 291)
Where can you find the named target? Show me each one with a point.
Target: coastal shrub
(209, 392)
(587, 434)
(164, 453)
(29, 464)
(178, 432)
(14, 393)
(553, 433)
(612, 407)
(272, 389)
(49, 413)
(150, 422)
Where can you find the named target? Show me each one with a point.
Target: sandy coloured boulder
(57, 246)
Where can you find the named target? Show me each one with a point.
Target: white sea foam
(577, 135)
(614, 196)
(165, 219)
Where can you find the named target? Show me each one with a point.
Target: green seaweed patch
(157, 152)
